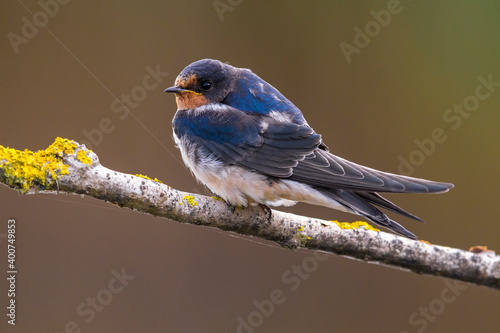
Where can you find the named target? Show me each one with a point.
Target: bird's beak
(179, 90)
(175, 89)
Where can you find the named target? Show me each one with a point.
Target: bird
(249, 144)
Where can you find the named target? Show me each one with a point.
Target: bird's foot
(231, 206)
(267, 210)
(234, 207)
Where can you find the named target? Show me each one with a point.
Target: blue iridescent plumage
(252, 94)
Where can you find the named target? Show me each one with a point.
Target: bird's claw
(267, 210)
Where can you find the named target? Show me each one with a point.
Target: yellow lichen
(22, 169)
(189, 199)
(354, 225)
(303, 239)
(217, 198)
(82, 157)
(146, 177)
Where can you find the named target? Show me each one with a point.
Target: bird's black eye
(206, 85)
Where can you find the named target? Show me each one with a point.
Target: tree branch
(69, 167)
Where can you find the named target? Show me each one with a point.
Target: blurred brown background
(61, 80)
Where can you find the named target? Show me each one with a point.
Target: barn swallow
(249, 144)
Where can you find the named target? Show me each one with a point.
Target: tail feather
(361, 203)
(376, 199)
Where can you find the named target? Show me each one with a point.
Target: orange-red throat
(185, 97)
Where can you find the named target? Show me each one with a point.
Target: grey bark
(288, 230)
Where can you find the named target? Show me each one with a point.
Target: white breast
(239, 186)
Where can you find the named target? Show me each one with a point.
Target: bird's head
(202, 82)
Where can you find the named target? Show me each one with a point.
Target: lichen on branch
(26, 169)
(69, 167)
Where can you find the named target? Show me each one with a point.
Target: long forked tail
(361, 203)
